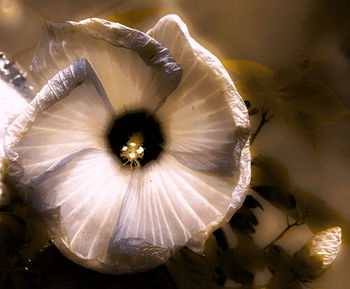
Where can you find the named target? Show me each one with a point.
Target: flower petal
(135, 70)
(176, 205)
(82, 214)
(11, 104)
(205, 119)
(81, 112)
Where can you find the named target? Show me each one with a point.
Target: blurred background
(267, 35)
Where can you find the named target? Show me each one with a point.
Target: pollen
(133, 151)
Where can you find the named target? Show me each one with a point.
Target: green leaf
(134, 17)
(191, 270)
(319, 216)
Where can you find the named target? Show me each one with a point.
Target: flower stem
(263, 121)
(290, 226)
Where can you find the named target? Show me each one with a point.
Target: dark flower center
(135, 138)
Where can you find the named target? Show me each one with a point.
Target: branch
(264, 119)
(290, 226)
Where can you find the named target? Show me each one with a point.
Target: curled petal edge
(59, 87)
(153, 54)
(197, 243)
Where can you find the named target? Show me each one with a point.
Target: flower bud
(326, 245)
(318, 254)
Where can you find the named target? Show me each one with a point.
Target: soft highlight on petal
(11, 104)
(44, 133)
(86, 190)
(135, 70)
(205, 119)
(176, 205)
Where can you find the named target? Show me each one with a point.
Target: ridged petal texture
(205, 118)
(135, 70)
(60, 130)
(99, 214)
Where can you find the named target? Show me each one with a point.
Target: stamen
(133, 150)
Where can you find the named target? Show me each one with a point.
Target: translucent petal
(81, 197)
(43, 134)
(176, 205)
(135, 70)
(205, 119)
(11, 104)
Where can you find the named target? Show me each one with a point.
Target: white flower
(67, 144)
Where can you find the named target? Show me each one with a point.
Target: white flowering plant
(135, 155)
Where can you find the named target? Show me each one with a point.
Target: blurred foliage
(291, 93)
(244, 219)
(305, 266)
(134, 17)
(319, 216)
(191, 270)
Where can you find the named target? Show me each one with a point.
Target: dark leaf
(220, 239)
(280, 198)
(251, 203)
(244, 221)
(276, 257)
(235, 272)
(191, 270)
(253, 111)
(279, 263)
(248, 254)
(307, 267)
(283, 279)
(319, 216)
(14, 229)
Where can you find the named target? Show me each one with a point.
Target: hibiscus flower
(137, 144)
